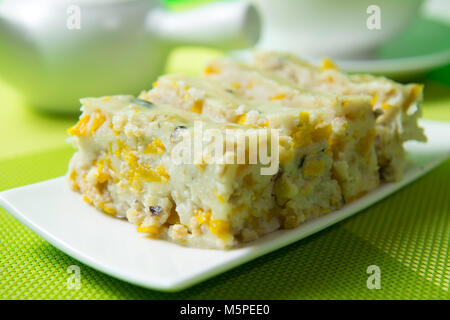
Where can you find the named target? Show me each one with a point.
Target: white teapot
(56, 51)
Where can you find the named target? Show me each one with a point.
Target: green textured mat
(405, 236)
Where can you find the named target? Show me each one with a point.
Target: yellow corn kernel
(108, 210)
(149, 229)
(386, 106)
(336, 144)
(156, 147)
(198, 106)
(80, 128)
(86, 199)
(121, 145)
(211, 70)
(131, 158)
(158, 144)
(313, 168)
(250, 85)
(264, 124)
(322, 133)
(241, 119)
(413, 96)
(219, 197)
(328, 64)
(98, 120)
(221, 228)
(145, 172)
(137, 184)
(374, 100)
(235, 85)
(73, 176)
(102, 176)
(117, 152)
(202, 216)
(302, 137)
(417, 89)
(163, 173)
(155, 84)
(114, 131)
(366, 142)
(278, 96)
(304, 118)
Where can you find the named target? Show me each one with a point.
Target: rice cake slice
(396, 106)
(124, 166)
(304, 186)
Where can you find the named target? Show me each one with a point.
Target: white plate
(112, 246)
(398, 68)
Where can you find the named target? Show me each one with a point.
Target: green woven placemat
(406, 236)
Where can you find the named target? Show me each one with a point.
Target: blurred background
(413, 44)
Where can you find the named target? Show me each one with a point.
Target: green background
(407, 235)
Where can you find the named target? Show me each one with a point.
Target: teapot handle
(223, 25)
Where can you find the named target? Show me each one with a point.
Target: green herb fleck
(143, 103)
(155, 210)
(302, 161)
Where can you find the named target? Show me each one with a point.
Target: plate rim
(396, 65)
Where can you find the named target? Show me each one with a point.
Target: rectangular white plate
(112, 246)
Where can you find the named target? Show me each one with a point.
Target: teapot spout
(226, 25)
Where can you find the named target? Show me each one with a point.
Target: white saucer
(422, 47)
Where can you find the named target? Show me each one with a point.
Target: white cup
(313, 28)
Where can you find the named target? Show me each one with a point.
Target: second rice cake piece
(396, 106)
(353, 123)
